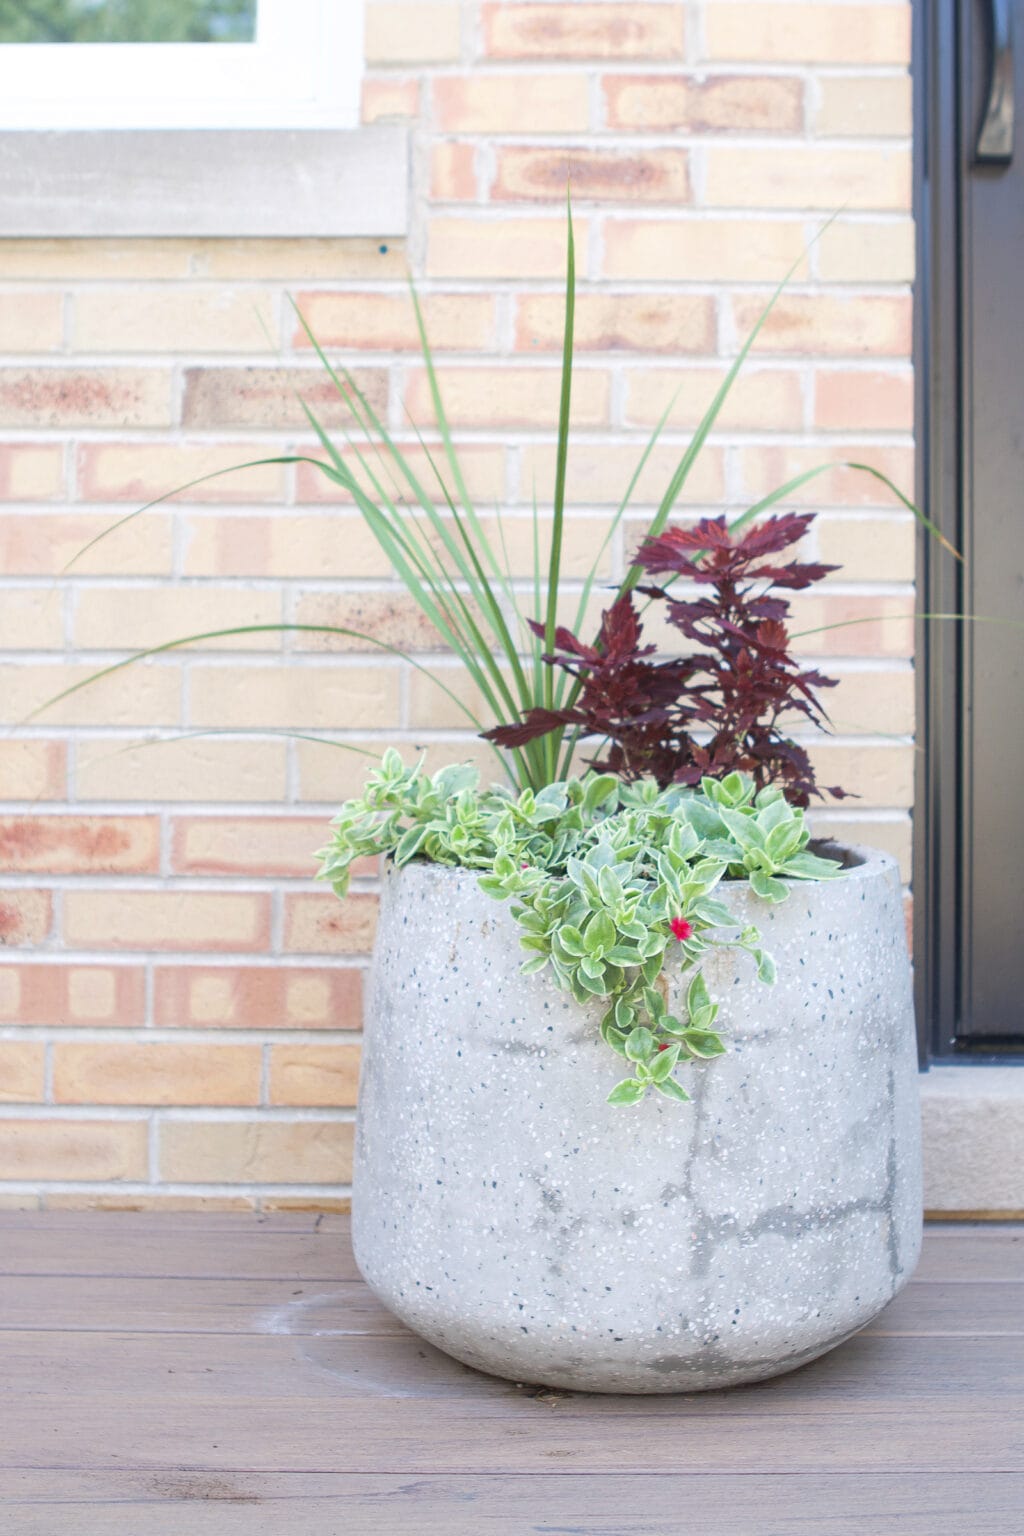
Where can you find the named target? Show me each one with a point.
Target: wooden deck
(212, 1375)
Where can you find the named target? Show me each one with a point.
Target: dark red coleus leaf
(719, 708)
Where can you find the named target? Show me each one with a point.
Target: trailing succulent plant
(606, 879)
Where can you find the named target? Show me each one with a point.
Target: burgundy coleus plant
(725, 704)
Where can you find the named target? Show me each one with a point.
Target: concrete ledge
(973, 1141)
(205, 182)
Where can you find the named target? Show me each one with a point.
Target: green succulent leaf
(629, 1091)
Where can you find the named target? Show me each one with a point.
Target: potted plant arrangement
(638, 1107)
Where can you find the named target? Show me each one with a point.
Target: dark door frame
(942, 405)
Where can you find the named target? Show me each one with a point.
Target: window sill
(973, 1140)
(207, 183)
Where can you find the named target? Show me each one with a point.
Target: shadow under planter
(507, 1213)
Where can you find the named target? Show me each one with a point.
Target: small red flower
(681, 928)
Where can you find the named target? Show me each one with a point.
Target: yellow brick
(156, 1073)
(26, 916)
(604, 322)
(318, 697)
(509, 397)
(81, 260)
(482, 465)
(453, 173)
(127, 919)
(864, 400)
(516, 248)
(255, 1152)
(435, 708)
(188, 319)
(486, 103)
(701, 250)
(137, 618)
(388, 99)
(31, 322)
(526, 173)
(72, 1149)
(85, 397)
(44, 545)
(871, 703)
(760, 400)
(32, 770)
(314, 1074)
(426, 32)
(599, 473)
(865, 106)
(385, 321)
(829, 624)
(327, 777)
(148, 694)
(868, 548)
(31, 619)
(762, 32)
(881, 776)
(578, 30)
(182, 770)
(733, 103)
(323, 925)
(868, 253)
(764, 468)
(809, 176)
(298, 260)
(336, 544)
(31, 471)
(821, 323)
(393, 618)
(582, 537)
(140, 472)
(246, 845)
(21, 1072)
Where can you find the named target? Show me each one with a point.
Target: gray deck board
(226, 1374)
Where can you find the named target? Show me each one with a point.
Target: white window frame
(303, 71)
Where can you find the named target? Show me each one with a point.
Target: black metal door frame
(943, 405)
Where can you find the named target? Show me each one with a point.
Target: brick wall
(179, 1004)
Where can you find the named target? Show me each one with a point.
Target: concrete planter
(508, 1214)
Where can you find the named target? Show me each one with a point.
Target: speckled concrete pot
(509, 1215)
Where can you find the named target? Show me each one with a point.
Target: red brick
(70, 844)
(272, 397)
(576, 30)
(75, 995)
(257, 997)
(526, 174)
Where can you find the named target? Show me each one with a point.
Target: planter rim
(866, 863)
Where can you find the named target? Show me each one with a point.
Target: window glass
(127, 21)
